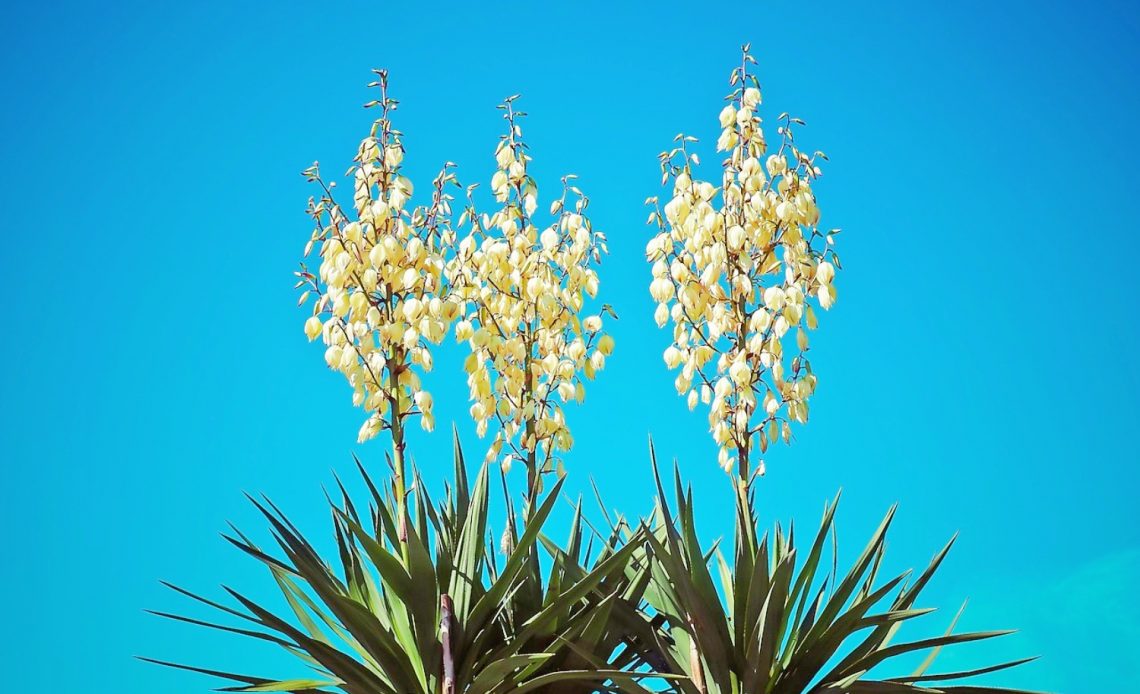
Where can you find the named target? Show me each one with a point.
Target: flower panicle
(738, 267)
(524, 288)
(393, 280)
(380, 298)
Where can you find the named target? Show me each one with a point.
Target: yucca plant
(739, 264)
(417, 602)
(780, 625)
(448, 619)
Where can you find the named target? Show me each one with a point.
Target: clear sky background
(978, 368)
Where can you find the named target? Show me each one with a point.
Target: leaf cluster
(603, 611)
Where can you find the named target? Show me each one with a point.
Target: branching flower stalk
(380, 297)
(736, 267)
(523, 290)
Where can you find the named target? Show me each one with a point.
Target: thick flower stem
(398, 456)
(531, 473)
(445, 614)
(744, 499)
(401, 488)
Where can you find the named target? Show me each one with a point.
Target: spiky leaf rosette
(780, 625)
(447, 617)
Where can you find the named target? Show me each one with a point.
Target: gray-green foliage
(601, 612)
(372, 625)
(778, 625)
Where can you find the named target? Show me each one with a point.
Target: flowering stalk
(736, 276)
(523, 291)
(380, 297)
(446, 610)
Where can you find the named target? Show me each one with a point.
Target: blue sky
(978, 367)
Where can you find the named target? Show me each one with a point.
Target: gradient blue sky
(979, 367)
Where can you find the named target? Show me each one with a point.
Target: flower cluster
(736, 267)
(380, 293)
(523, 290)
(392, 281)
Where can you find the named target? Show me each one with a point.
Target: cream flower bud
(347, 360)
(606, 345)
(499, 183)
(780, 327)
(661, 289)
(592, 324)
(566, 391)
(736, 237)
(825, 296)
(313, 327)
(598, 361)
(481, 337)
(725, 460)
(727, 116)
(721, 433)
(368, 430)
(369, 279)
(771, 404)
(341, 305)
(672, 357)
(726, 141)
(774, 298)
(549, 239)
(411, 309)
(722, 388)
(577, 350)
(332, 356)
(393, 155)
(358, 302)
(810, 319)
(504, 155)
(463, 331)
(414, 249)
(740, 419)
(410, 338)
(740, 372)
